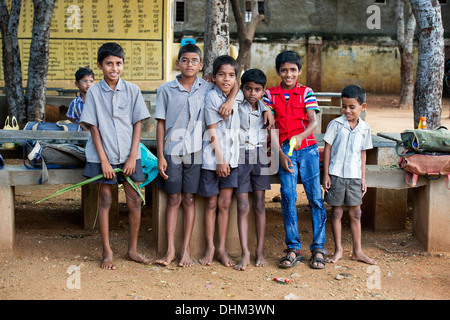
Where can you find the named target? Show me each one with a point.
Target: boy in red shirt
(295, 108)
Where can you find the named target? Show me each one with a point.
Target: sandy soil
(50, 242)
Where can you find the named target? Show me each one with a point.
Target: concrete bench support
(17, 175)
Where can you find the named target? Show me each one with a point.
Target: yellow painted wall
(142, 27)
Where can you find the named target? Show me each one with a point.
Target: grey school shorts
(93, 169)
(211, 183)
(344, 191)
(184, 174)
(250, 177)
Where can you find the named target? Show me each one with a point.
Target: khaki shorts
(344, 191)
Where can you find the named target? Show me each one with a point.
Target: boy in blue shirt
(84, 79)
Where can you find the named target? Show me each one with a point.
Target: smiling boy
(346, 140)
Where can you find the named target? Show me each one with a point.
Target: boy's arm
(363, 172)
(130, 165)
(309, 129)
(226, 108)
(326, 164)
(162, 163)
(107, 170)
(222, 168)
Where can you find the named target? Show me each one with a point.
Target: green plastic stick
(93, 179)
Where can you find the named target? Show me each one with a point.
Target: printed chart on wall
(80, 27)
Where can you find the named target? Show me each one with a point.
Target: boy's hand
(107, 170)
(209, 77)
(286, 162)
(162, 167)
(299, 139)
(225, 109)
(269, 120)
(129, 167)
(363, 186)
(326, 182)
(223, 170)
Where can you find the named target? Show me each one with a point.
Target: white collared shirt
(346, 146)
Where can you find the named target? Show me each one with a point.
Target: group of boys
(211, 141)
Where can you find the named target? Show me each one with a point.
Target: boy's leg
(243, 209)
(210, 220)
(188, 223)
(173, 204)
(355, 226)
(134, 220)
(104, 205)
(260, 221)
(309, 168)
(223, 216)
(336, 226)
(288, 192)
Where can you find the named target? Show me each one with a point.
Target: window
(180, 11)
(380, 1)
(443, 1)
(248, 9)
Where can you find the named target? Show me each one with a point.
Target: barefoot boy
(179, 133)
(220, 158)
(346, 140)
(114, 113)
(253, 161)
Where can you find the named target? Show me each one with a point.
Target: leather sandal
(292, 261)
(315, 259)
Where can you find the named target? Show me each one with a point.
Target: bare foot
(167, 259)
(208, 257)
(186, 260)
(245, 259)
(108, 261)
(136, 257)
(335, 257)
(225, 259)
(363, 258)
(260, 261)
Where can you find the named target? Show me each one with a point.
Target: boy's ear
(363, 106)
(177, 64)
(99, 65)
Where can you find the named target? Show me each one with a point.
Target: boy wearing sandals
(295, 108)
(346, 140)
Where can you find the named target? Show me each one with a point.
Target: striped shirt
(75, 109)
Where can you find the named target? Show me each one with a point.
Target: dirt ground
(50, 242)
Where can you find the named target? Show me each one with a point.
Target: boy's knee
(174, 199)
(337, 212)
(188, 200)
(355, 213)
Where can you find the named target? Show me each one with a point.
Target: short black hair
(82, 72)
(288, 57)
(110, 49)
(254, 75)
(189, 47)
(354, 91)
(223, 60)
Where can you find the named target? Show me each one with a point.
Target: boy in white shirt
(346, 140)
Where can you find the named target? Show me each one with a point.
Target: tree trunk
(12, 67)
(405, 46)
(246, 32)
(430, 66)
(38, 64)
(217, 38)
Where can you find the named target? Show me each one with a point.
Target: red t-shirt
(290, 116)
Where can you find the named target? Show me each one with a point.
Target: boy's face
(253, 92)
(85, 83)
(352, 109)
(111, 67)
(288, 73)
(189, 64)
(225, 78)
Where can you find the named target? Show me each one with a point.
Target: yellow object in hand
(292, 144)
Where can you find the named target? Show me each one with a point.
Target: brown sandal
(292, 261)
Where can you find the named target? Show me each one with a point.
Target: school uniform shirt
(113, 112)
(227, 129)
(183, 112)
(346, 146)
(290, 108)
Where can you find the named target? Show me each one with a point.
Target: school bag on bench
(62, 125)
(42, 155)
(422, 141)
